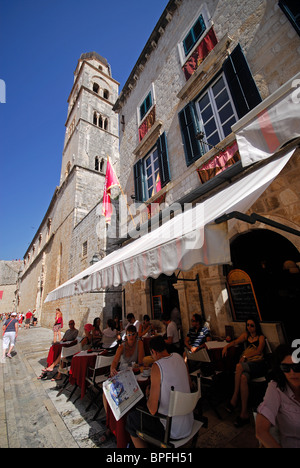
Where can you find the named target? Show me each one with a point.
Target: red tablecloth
(53, 354)
(118, 427)
(79, 365)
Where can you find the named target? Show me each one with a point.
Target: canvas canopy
(271, 124)
(190, 238)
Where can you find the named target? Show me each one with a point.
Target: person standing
(10, 333)
(57, 326)
(28, 318)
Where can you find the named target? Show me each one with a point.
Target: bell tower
(91, 130)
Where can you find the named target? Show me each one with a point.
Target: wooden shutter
(189, 128)
(242, 86)
(163, 160)
(139, 181)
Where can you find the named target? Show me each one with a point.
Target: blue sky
(40, 44)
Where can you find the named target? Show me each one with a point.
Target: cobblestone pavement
(32, 416)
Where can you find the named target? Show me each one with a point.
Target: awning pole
(197, 279)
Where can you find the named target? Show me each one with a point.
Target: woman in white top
(109, 334)
(132, 350)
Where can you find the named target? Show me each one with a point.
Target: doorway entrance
(164, 295)
(270, 261)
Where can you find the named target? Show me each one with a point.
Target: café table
(118, 428)
(78, 370)
(215, 348)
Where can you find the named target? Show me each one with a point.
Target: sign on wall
(242, 296)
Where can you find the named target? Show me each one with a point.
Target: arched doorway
(263, 254)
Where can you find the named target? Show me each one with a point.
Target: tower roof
(92, 55)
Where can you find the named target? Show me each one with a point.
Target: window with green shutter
(152, 172)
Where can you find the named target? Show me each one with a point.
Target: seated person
(131, 350)
(167, 370)
(281, 405)
(197, 336)
(88, 337)
(118, 323)
(132, 321)
(252, 364)
(172, 336)
(70, 336)
(146, 328)
(96, 333)
(110, 334)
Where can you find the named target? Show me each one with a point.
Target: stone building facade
(71, 231)
(9, 272)
(166, 133)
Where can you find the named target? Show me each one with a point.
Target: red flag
(111, 180)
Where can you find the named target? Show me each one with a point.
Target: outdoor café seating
(95, 377)
(180, 404)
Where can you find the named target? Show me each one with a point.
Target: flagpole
(128, 207)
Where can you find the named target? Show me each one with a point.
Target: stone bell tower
(91, 131)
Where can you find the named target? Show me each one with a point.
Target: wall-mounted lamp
(200, 137)
(97, 257)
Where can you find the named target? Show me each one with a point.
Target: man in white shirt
(132, 321)
(172, 336)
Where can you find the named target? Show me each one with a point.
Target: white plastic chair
(180, 404)
(96, 376)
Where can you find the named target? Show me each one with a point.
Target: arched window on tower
(105, 94)
(102, 165)
(100, 123)
(99, 164)
(105, 124)
(95, 118)
(96, 88)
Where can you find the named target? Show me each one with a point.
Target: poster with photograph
(122, 392)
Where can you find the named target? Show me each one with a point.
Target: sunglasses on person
(131, 334)
(286, 368)
(251, 325)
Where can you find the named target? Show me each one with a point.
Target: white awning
(188, 239)
(271, 124)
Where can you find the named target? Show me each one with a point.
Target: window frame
(154, 171)
(141, 188)
(216, 112)
(150, 92)
(203, 11)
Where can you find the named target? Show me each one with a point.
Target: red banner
(147, 124)
(111, 180)
(219, 163)
(206, 45)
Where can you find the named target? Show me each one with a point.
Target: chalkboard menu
(157, 307)
(242, 296)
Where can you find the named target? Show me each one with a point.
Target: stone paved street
(32, 416)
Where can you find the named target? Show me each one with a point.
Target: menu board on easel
(242, 296)
(157, 305)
